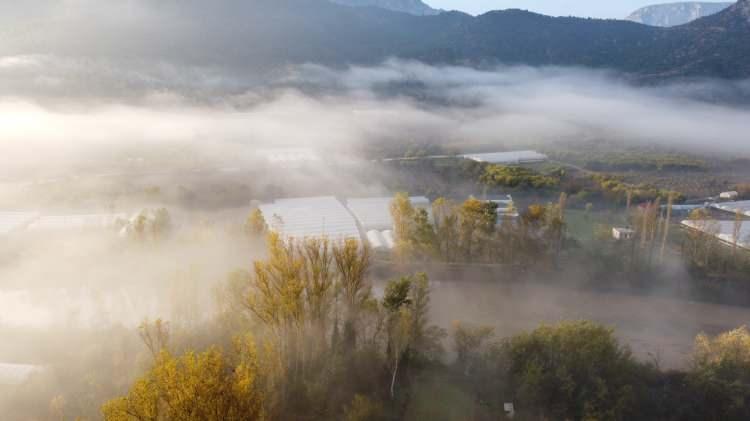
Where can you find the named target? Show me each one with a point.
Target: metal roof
(61, 222)
(289, 157)
(311, 217)
(14, 221)
(374, 213)
(723, 230)
(515, 157)
(743, 206)
(14, 374)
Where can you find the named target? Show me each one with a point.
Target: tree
(468, 342)
(255, 225)
(363, 408)
(425, 238)
(720, 375)
(406, 304)
(395, 301)
(402, 214)
(195, 387)
(445, 215)
(155, 336)
(573, 370)
(352, 262)
(478, 220)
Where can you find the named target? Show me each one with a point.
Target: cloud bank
(62, 113)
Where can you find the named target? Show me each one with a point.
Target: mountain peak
(412, 7)
(674, 14)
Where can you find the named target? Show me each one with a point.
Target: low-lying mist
(62, 137)
(214, 119)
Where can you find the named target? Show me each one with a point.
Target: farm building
(723, 230)
(505, 208)
(15, 374)
(729, 195)
(289, 157)
(76, 222)
(11, 222)
(683, 210)
(508, 158)
(620, 233)
(742, 206)
(374, 213)
(311, 217)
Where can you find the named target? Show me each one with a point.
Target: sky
(616, 9)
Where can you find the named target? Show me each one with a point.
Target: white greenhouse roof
(374, 213)
(515, 157)
(743, 206)
(14, 221)
(287, 157)
(311, 217)
(62, 222)
(723, 230)
(14, 374)
(381, 240)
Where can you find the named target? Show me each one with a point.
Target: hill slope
(674, 14)
(413, 7)
(266, 34)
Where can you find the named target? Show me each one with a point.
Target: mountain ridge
(265, 35)
(675, 14)
(413, 7)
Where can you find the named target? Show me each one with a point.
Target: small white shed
(621, 233)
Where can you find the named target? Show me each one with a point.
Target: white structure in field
(723, 230)
(11, 222)
(508, 158)
(76, 222)
(15, 374)
(729, 195)
(505, 208)
(619, 233)
(289, 157)
(311, 217)
(374, 213)
(742, 206)
(374, 217)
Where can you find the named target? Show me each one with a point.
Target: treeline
(474, 231)
(519, 177)
(614, 190)
(303, 337)
(607, 156)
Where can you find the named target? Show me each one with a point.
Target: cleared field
(654, 327)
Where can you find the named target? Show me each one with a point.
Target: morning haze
(304, 209)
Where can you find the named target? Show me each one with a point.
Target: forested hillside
(264, 35)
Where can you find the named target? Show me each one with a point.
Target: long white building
(374, 213)
(743, 206)
(508, 158)
(723, 230)
(311, 217)
(11, 222)
(76, 222)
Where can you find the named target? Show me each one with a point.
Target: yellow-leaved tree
(207, 386)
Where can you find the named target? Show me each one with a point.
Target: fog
(53, 127)
(492, 109)
(103, 134)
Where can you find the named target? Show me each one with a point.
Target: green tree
(573, 370)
